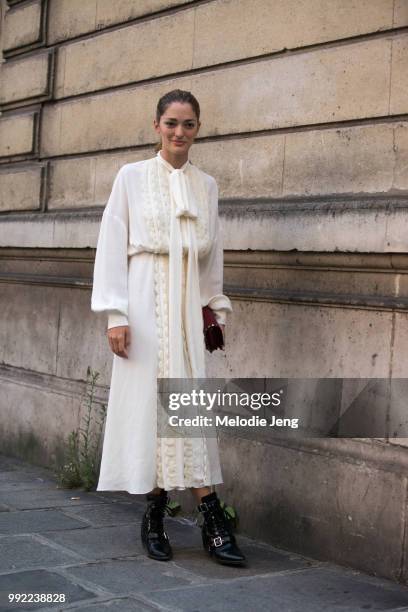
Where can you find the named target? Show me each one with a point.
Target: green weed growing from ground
(82, 453)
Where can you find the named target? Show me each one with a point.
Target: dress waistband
(132, 250)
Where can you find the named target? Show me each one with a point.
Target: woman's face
(178, 127)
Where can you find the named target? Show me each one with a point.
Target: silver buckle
(217, 541)
(203, 506)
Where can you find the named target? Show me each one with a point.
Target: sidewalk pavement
(86, 547)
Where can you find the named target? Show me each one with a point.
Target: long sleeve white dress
(159, 259)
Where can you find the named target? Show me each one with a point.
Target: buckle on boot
(203, 507)
(217, 541)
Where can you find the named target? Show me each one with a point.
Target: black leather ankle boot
(154, 538)
(216, 532)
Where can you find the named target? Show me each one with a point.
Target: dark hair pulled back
(175, 95)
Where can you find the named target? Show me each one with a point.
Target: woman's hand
(119, 340)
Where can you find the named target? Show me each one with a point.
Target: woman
(159, 260)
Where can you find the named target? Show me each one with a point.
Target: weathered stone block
(80, 343)
(337, 279)
(323, 85)
(30, 313)
(356, 230)
(399, 363)
(46, 231)
(17, 134)
(396, 234)
(243, 167)
(86, 181)
(26, 78)
(357, 504)
(359, 159)
(20, 189)
(44, 421)
(72, 183)
(287, 340)
(399, 83)
(51, 320)
(22, 25)
(400, 14)
(226, 31)
(401, 156)
(69, 18)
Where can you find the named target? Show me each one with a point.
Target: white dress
(159, 259)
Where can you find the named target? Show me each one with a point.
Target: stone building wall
(305, 127)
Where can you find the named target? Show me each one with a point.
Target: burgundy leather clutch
(213, 335)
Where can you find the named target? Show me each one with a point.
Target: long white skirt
(134, 459)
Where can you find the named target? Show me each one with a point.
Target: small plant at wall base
(82, 453)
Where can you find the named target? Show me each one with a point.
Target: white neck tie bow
(180, 188)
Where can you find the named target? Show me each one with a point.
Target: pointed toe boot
(216, 532)
(154, 537)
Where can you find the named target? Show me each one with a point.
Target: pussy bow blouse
(158, 209)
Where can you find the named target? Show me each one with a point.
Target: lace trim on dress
(169, 451)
